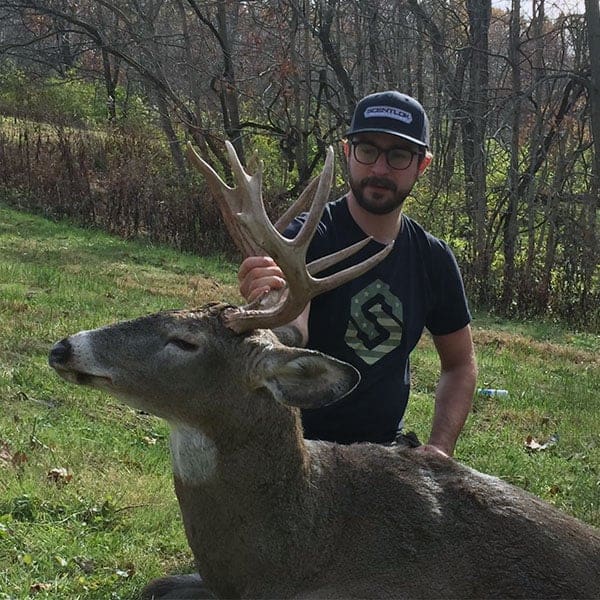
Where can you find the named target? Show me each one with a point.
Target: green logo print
(375, 326)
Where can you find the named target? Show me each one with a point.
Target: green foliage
(67, 100)
(268, 151)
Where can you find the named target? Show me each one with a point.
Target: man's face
(379, 188)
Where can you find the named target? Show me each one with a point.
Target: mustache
(381, 182)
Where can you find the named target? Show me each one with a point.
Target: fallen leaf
(85, 564)
(19, 458)
(59, 475)
(5, 454)
(60, 561)
(8, 457)
(34, 588)
(127, 571)
(534, 446)
(27, 559)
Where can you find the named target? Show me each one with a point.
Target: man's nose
(380, 166)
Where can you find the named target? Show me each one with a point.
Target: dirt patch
(523, 344)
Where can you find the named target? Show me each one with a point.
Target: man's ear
(425, 161)
(346, 148)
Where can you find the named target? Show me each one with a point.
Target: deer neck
(244, 494)
(203, 455)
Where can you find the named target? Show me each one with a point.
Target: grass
(108, 521)
(552, 376)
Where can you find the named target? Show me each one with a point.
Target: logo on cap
(390, 112)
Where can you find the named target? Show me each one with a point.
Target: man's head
(387, 150)
(393, 113)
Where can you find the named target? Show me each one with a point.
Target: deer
(269, 514)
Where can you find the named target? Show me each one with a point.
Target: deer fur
(270, 515)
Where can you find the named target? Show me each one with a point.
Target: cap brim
(408, 138)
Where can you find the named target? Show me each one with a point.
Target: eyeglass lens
(397, 158)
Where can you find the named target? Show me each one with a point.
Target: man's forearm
(453, 401)
(295, 333)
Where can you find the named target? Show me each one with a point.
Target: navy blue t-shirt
(375, 321)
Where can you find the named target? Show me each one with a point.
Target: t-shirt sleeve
(450, 310)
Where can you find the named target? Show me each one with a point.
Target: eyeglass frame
(419, 153)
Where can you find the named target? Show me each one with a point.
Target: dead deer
(270, 515)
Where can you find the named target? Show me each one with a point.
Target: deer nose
(60, 352)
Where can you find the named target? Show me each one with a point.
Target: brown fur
(274, 516)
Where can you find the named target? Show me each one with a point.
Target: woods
(511, 91)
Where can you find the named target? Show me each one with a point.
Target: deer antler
(244, 214)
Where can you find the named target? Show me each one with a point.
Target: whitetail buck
(270, 515)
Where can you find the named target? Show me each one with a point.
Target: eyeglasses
(397, 158)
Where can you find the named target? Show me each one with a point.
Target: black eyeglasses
(397, 158)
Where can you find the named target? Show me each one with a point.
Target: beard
(378, 202)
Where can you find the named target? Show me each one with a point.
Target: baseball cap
(394, 113)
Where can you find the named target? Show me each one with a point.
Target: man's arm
(454, 392)
(295, 333)
(257, 275)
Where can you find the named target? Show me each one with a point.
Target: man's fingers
(257, 275)
(254, 262)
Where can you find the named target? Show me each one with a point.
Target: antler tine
(332, 281)
(300, 205)
(297, 295)
(320, 264)
(320, 199)
(226, 196)
(264, 234)
(320, 185)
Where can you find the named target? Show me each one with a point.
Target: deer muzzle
(75, 366)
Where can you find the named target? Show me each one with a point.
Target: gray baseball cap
(394, 113)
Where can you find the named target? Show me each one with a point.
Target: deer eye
(183, 344)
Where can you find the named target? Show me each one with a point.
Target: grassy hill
(86, 502)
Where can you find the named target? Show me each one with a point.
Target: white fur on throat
(194, 455)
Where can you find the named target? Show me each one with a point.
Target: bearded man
(375, 321)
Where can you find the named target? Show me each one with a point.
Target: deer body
(270, 515)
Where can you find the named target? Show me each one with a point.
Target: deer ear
(306, 378)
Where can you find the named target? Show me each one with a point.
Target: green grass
(553, 381)
(113, 522)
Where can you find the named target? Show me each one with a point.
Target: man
(375, 321)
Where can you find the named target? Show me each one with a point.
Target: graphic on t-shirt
(375, 325)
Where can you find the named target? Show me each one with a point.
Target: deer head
(219, 350)
(197, 358)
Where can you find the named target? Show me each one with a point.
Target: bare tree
(512, 100)
(511, 217)
(592, 18)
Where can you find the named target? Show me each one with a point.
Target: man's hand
(258, 275)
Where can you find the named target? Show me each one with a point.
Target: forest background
(98, 97)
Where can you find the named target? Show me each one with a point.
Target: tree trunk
(228, 91)
(510, 221)
(474, 140)
(590, 258)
